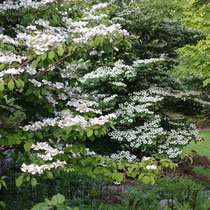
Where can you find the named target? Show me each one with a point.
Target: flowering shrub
(150, 105)
(43, 49)
(74, 76)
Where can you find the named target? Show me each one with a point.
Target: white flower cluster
(173, 152)
(95, 52)
(146, 134)
(8, 57)
(147, 61)
(41, 41)
(11, 71)
(202, 102)
(110, 98)
(123, 155)
(66, 119)
(118, 84)
(48, 156)
(11, 5)
(7, 39)
(83, 105)
(127, 112)
(120, 70)
(95, 17)
(145, 96)
(183, 95)
(146, 158)
(173, 93)
(36, 169)
(30, 70)
(94, 10)
(87, 34)
(99, 6)
(49, 151)
(151, 167)
(52, 86)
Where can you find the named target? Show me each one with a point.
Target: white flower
(151, 167)
(146, 158)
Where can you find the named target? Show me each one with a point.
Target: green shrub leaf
(11, 85)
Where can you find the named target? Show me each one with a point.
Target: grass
(203, 147)
(201, 170)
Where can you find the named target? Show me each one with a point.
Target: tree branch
(50, 66)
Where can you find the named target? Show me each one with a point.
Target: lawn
(202, 148)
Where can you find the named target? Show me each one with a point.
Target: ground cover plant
(87, 99)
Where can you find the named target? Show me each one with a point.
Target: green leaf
(60, 51)
(39, 135)
(119, 177)
(34, 63)
(1, 85)
(51, 55)
(89, 133)
(4, 184)
(44, 56)
(92, 138)
(33, 182)
(152, 180)
(30, 135)
(112, 126)
(146, 179)
(2, 204)
(27, 146)
(28, 178)
(22, 84)
(58, 199)
(43, 91)
(96, 133)
(49, 175)
(19, 181)
(41, 206)
(68, 130)
(11, 85)
(141, 176)
(17, 82)
(2, 66)
(29, 92)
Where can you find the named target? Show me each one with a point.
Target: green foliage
(57, 201)
(194, 60)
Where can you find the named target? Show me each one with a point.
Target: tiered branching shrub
(151, 106)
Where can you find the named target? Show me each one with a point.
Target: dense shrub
(69, 71)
